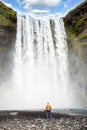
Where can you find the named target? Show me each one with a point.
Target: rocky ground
(14, 122)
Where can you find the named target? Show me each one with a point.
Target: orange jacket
(48, 107)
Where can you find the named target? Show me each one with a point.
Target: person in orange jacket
(48, 111)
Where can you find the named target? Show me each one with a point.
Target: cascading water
(40, 72)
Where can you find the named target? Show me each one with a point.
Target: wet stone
(63, 123)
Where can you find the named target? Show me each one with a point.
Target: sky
(43, 6)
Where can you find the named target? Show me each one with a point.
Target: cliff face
(7, 39)
(76, 25)
(7, 24)
(76, 28)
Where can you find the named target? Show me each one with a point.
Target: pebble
(63, 123)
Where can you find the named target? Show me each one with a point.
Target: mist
(39, 67)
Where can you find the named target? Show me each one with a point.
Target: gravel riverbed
(40, 123)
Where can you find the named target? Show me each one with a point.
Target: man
(48, 111)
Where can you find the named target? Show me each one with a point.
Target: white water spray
(40, 65)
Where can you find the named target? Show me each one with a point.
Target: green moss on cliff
(8, 22)
(76, 26)
(3, 21)
(7, 17)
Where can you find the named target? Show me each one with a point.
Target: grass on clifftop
(76, 26)
(76, 29)
(7, 16)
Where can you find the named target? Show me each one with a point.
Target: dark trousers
(48, 114)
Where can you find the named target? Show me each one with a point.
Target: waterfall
(40, 72)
